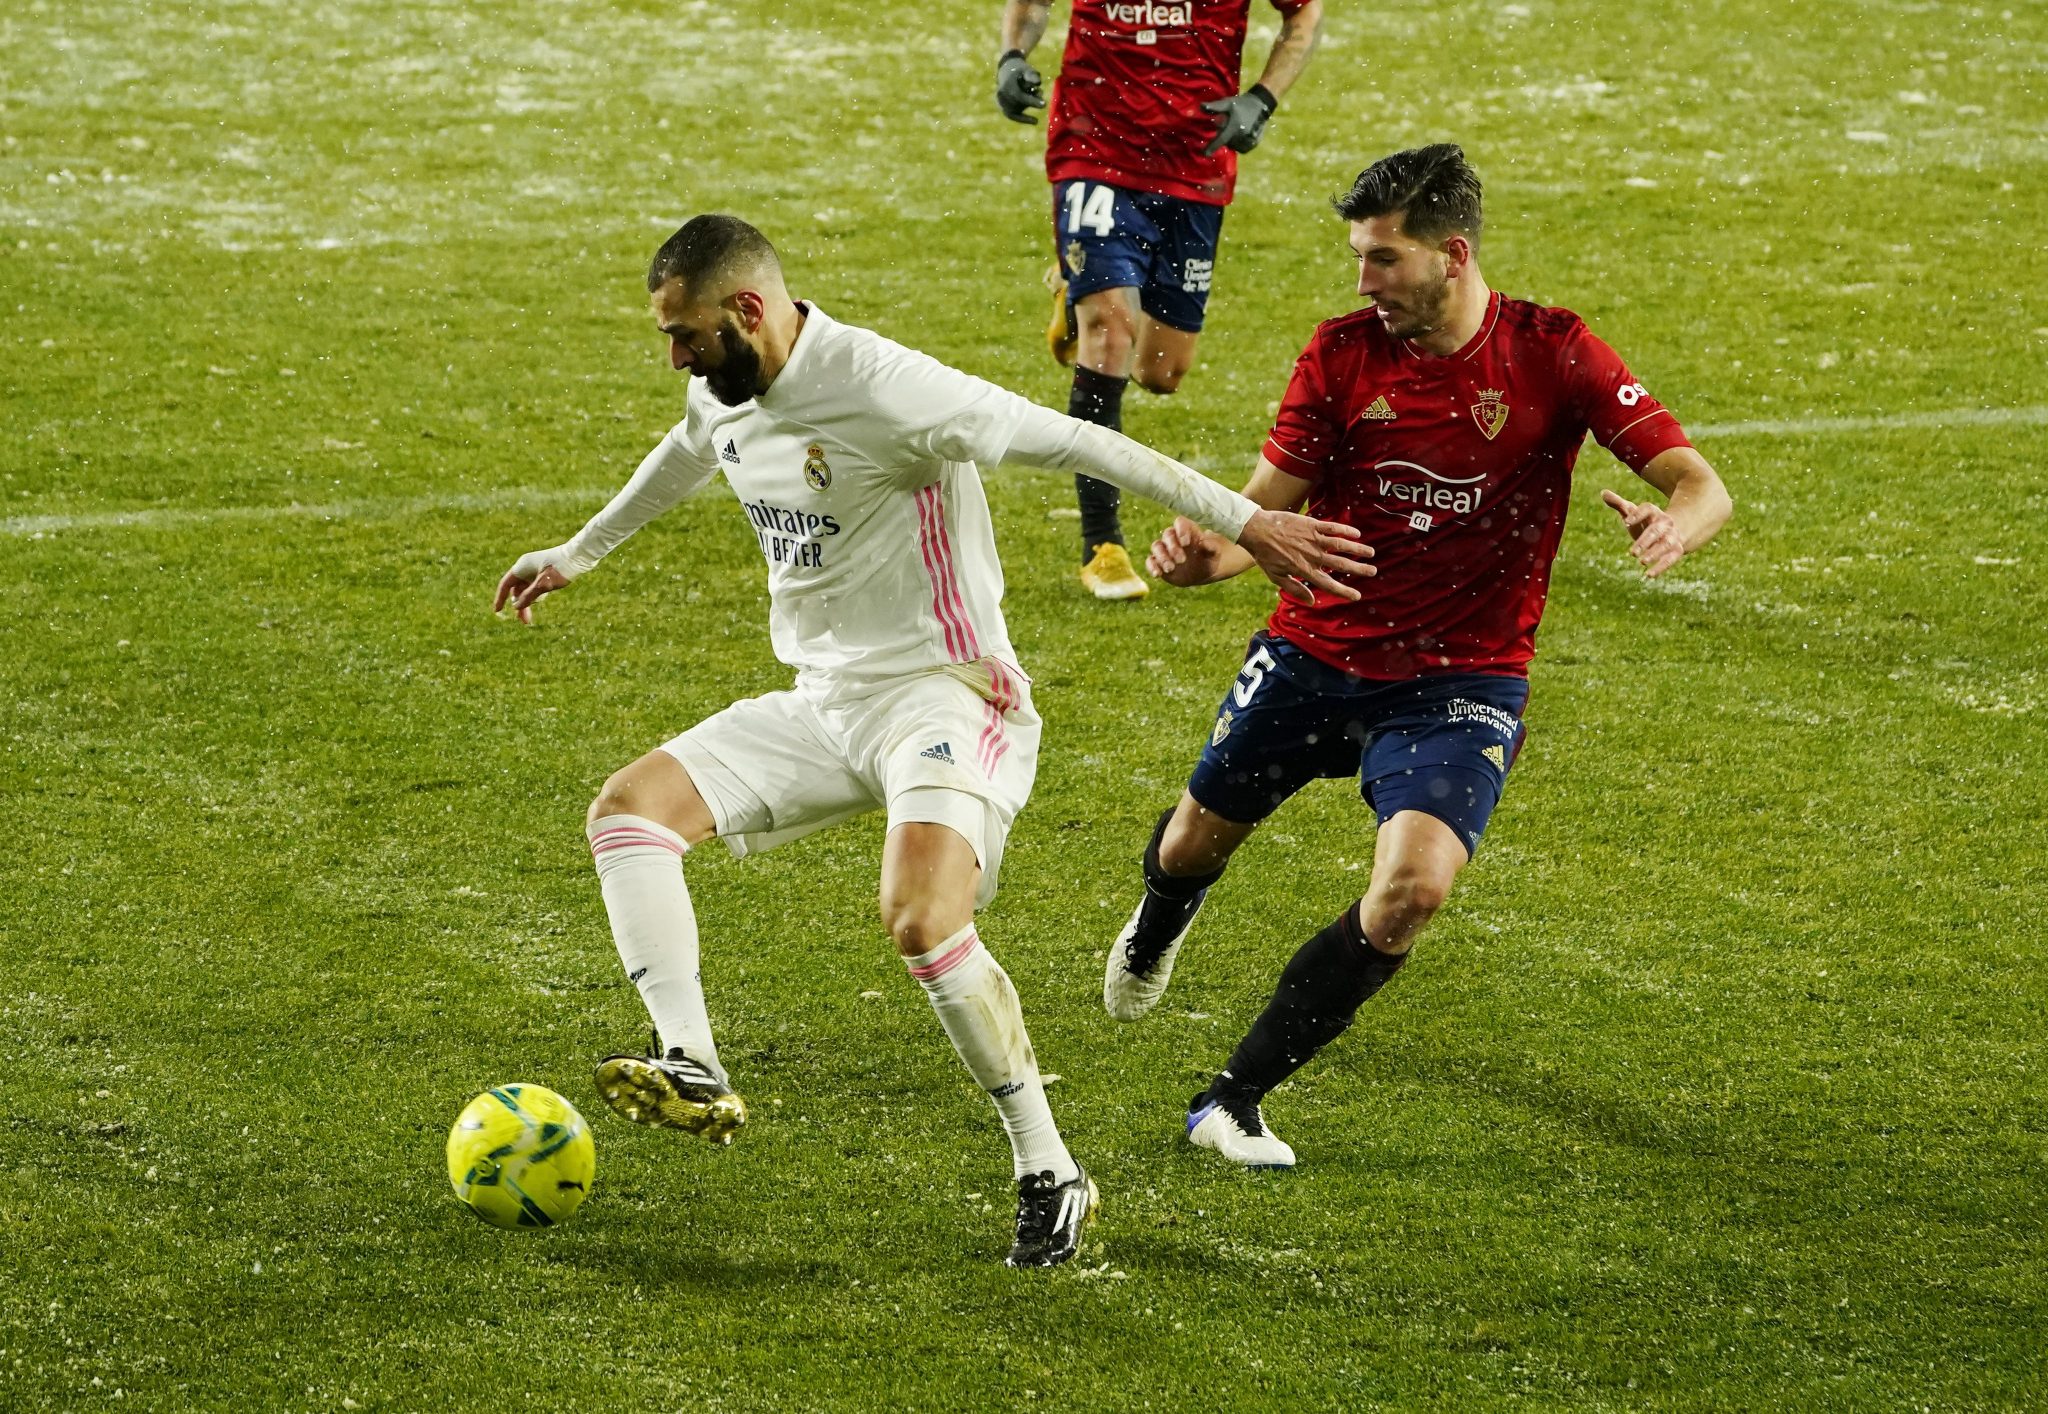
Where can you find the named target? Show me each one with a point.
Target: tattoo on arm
(1024, 23)
(1296, 41)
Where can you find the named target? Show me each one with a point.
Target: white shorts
(956, 746)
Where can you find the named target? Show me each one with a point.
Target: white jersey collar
(788, 384)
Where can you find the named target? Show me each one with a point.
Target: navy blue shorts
(1440, 744)
(1110, 239)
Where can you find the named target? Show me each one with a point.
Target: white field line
(1898, 421)
(388, 508)
(401, 508)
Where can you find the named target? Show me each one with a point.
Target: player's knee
(1158, 376)
(1415, 895)
(615, 797)
(917, 925)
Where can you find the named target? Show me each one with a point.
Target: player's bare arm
(1698, 506)
(1291, 48)
(1242, 118)
(1024, 23)
(1019, 87)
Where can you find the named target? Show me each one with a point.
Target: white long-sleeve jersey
(858, 470)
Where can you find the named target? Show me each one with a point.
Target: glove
(1244, 119)
(1019, 88)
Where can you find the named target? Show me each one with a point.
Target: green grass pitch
(1719, 1084)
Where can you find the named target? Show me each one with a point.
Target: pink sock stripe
(631, 837)
(948, 960)
(937, 547)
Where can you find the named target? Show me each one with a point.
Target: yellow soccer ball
(520, 1156)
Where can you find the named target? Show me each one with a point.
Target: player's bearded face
(733, 379)
(1414, 307)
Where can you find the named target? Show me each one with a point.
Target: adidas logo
(731, 453)
(1498, 756)
(1380, 411)
(942, 752)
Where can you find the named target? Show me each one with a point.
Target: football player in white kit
(855, 460)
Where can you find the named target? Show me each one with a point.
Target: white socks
(640, 869)
(978, 1007)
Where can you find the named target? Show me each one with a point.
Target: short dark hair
(706, 248)
(1434, 190)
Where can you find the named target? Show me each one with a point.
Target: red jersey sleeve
(1623, 415)
(1310, 425)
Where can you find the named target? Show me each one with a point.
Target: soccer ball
(520, 1156)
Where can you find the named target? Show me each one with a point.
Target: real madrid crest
(1490, 413)
(816, 472)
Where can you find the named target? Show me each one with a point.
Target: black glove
(1018, 88)
(1244, 119)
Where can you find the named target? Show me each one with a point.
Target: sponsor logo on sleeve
(730, 452)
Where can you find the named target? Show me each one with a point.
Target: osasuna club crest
(1077, 256)
(1490, 413)
(816, 472)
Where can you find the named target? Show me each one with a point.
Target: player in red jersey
(1146, 126)
(1443, 422)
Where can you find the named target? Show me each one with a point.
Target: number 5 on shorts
(1251, 675)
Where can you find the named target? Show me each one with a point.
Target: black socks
(1320, 990)
(1097, 398)
(1169, 902)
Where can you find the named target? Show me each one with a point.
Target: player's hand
(1244, 119)
(1185, 555)
(531, 576)
(1300, 553)
(1657, 542)
(1019, 88)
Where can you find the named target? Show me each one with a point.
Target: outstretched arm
(1187, 555)
(1699, 505)
(665, 476)
(1296, 553)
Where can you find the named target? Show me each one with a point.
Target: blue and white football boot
(1230, 1123)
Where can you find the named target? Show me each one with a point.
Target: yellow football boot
(1062, 334)
(1109, 574)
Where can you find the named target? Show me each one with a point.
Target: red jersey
(1127, 108)
(1457, 471)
